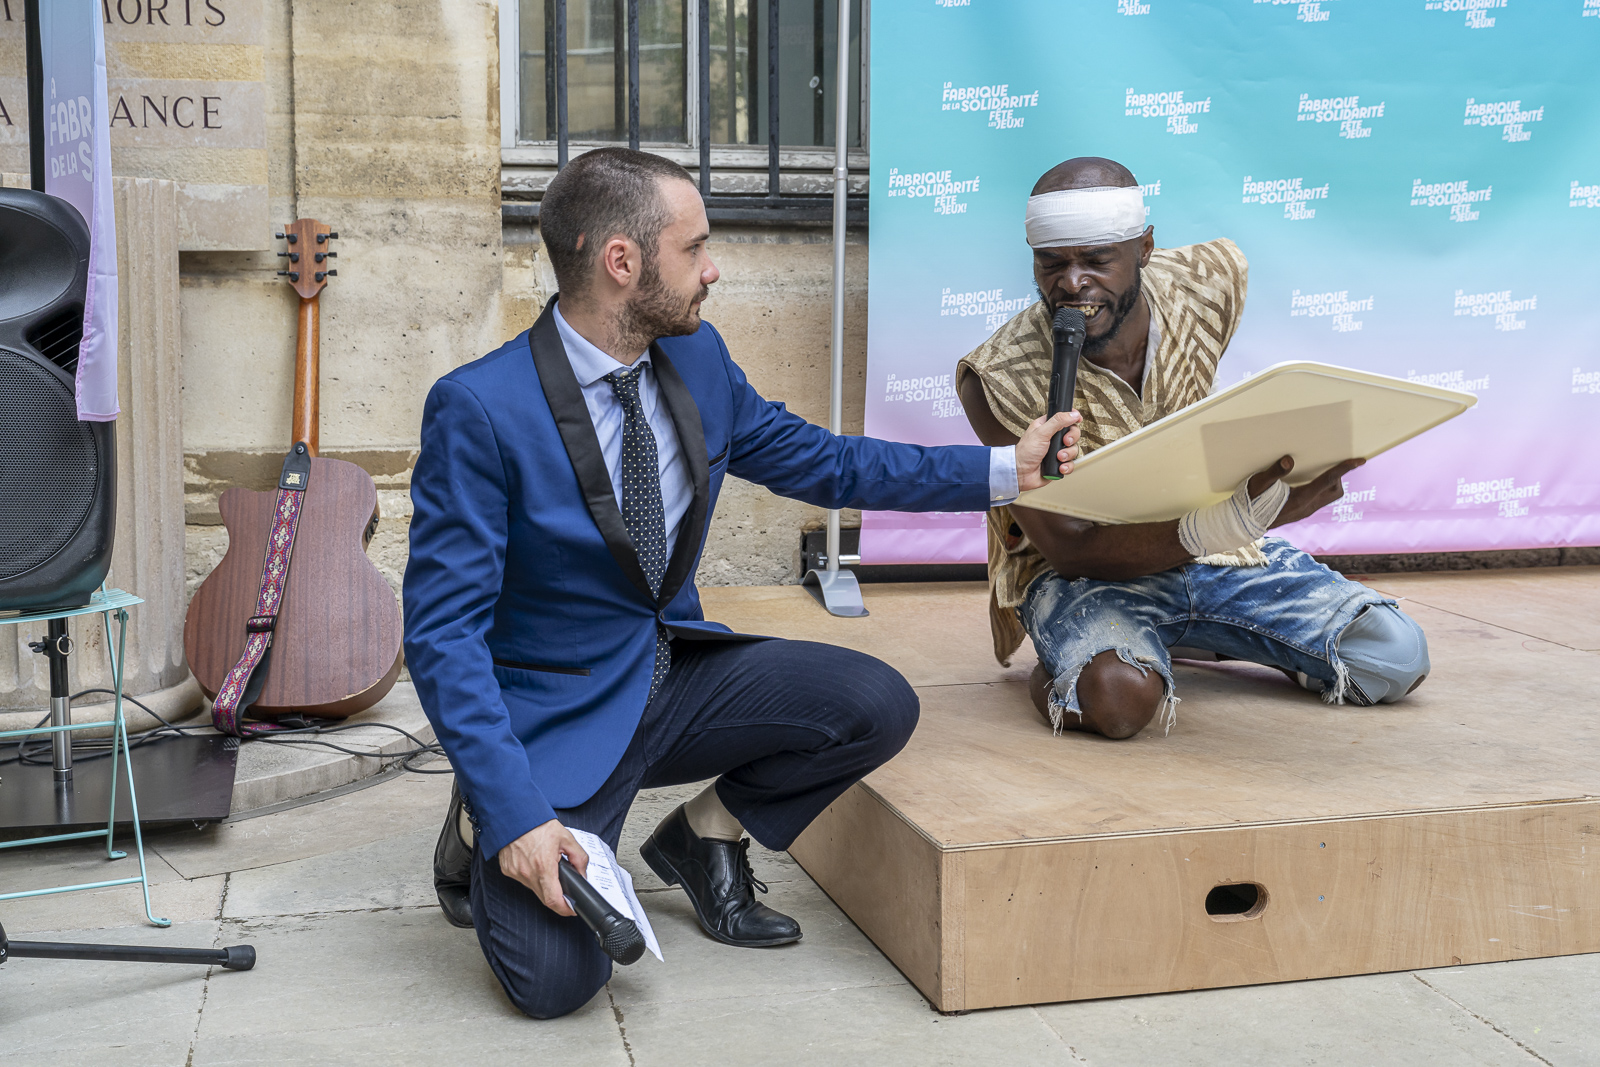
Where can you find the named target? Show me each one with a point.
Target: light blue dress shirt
(591, 365)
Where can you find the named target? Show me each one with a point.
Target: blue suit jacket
(530, 627)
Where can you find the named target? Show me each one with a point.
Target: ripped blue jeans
(1287, 614)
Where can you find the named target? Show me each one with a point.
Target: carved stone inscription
(187, 104)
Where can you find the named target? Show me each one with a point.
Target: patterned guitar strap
(243, 683)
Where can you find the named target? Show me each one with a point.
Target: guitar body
(336, 649)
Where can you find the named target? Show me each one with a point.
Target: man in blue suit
(553, 628)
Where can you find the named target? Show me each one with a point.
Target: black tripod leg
(233, 958)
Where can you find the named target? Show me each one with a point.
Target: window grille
(634, 72)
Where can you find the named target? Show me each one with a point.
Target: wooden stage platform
(997, 864)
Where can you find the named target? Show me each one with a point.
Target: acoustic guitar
(336, 645)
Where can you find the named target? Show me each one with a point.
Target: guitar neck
(307, 374)
(309, 270)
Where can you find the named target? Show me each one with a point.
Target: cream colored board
(1317, 413)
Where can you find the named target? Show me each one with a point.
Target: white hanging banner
(78, 170)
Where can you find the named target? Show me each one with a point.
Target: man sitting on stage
(1104, 603)
(553, 628)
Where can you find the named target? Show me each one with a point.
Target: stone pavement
(356, 966)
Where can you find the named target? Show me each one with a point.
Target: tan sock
(708, 818)
(464, 824)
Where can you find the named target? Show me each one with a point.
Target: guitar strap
(243, 683)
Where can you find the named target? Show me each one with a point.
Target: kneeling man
(553, 628)
(1104, 603)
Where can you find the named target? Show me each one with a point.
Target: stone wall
(383, 122)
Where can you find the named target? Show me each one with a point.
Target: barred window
(671, 92)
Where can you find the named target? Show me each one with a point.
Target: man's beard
(656, 311)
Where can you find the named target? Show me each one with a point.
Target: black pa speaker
(58, 476)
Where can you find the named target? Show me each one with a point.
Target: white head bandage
(1100, 216)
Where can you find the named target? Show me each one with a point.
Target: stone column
(147, 559)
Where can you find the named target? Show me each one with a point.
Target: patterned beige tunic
(1196, 295)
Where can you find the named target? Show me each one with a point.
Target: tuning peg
(333, 274)
(333, 255)
(279, 236)
(292, 257)
(294, 275)
(293, 238)
(333, 236)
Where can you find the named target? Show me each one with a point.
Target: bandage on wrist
(1234, 523)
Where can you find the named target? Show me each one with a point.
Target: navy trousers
(785, 727)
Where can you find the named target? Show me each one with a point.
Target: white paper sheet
(615, 884)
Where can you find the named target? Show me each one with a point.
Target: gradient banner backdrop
(1416, 184)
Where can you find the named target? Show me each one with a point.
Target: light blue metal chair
(107, 603)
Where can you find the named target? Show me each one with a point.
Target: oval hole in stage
(1236, 901)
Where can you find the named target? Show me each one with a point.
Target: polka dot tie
(642, 510)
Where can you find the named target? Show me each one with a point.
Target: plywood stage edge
(996, 864)
(1114, 915)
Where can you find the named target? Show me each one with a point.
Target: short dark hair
(597, 196)
(1084, 172)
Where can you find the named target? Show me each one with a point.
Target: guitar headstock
(308, 256)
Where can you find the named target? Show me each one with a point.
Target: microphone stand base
(837, 591)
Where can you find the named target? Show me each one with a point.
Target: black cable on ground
(37, 752)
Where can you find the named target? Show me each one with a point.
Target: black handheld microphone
(1069, 328)
(619, 936)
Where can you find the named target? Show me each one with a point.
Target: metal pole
(704, 43)
(838, 589)
(561, 83)
(733, 73)
(633, 74)
(35, 63)
(752, 69)
(549, 55)
(841, 175)
(619, 68)
(772, 99)
(57, 647)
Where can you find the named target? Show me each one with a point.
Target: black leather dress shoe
(720, 884)
(452, 867)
